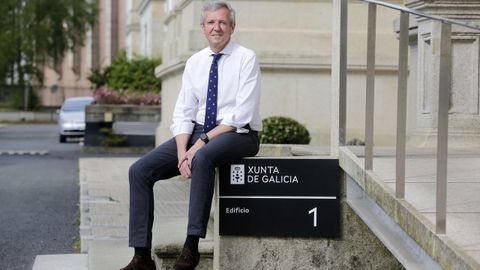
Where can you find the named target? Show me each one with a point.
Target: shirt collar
(226, 51)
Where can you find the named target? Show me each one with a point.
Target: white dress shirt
(238, 90)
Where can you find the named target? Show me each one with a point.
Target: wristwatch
(204, 138)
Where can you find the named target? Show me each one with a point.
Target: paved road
(38, 195)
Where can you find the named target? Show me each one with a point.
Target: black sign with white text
(280, 197)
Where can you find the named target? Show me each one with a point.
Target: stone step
(61, 262)
(165, 255)
(108, 254)
(169, 240)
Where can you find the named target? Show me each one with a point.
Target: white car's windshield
(75, 105)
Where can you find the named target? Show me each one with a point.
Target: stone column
(152, 15)
(464, 125)
(132, 28)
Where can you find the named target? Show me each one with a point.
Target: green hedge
(283, 130)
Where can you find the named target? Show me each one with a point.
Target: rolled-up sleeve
(185, 108)
(248, 96)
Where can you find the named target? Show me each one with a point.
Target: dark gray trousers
(161, 163)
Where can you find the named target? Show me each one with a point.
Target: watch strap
(204, 138)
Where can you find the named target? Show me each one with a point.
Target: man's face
(217, 28)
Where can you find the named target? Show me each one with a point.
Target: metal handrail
(444, 93)
(339, 64)
(421, 14)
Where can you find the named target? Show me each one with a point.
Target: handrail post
(444, 88)
(402, 106)
(370, 87)
(339, 76)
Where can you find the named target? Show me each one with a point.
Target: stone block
(165, 256)
(274, 150)
(357, 248)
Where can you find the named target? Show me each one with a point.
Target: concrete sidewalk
(104, 210)
(61, 261)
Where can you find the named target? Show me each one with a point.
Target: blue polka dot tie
(211, 102)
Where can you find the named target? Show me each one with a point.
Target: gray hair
(216, 5)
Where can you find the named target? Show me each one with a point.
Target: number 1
(314, 211)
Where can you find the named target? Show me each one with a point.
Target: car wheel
(63, 138)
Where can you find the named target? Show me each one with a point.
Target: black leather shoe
(140, 263)
(186, 260)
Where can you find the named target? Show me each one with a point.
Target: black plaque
(280, 197)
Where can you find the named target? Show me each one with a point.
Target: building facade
(293, 42)
(464, 109)
(101, 46)
(131, 25)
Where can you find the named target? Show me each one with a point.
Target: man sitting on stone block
(215, 121)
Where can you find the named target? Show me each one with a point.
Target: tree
(36, 33)
(7, 34)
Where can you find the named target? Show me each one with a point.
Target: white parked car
(71, 117)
